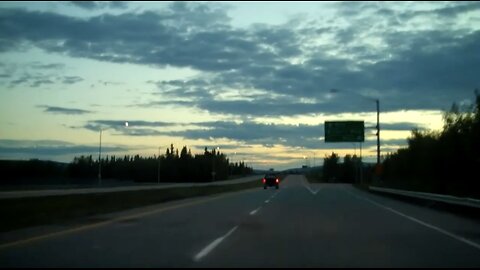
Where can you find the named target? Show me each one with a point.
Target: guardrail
(431, 196)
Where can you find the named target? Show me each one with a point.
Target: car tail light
(277, 180)
(263, 180)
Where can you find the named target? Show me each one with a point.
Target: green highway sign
(344, 131)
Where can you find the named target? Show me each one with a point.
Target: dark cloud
(19, 81)
(135, 123)
(71, 79)
(38, 83)
(34, 81)
(109, 82)
(118, 4)
(134, 128)
(51, 148)
(398, 142)
(61, 110)
(400, 126)
(306, 136)
(223, 147)
(252, 132)
(354, 8)
(457, 9)
(55, 66)
(85, 4)
(246, 133)
(450, 11)
(142, 132)
(415, 78)
(410, 69)
(58, 150)
(92, 5)
(192, 35)
(260, 106)
(38, 80)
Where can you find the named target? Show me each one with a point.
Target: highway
(299, 225)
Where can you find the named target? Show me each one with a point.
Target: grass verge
(26, 212)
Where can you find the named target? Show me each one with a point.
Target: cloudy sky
(257, 79)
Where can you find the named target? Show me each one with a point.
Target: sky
(256, 79)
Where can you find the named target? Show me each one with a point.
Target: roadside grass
(27, 212)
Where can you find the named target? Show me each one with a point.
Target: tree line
(173, 166)
(351, 170)
(445, 161)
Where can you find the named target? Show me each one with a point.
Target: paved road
(299, 225)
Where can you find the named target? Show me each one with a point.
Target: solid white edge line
(204, 252)
(456, 237)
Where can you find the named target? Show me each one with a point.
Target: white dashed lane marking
(206, 250)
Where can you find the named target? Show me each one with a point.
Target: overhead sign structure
(344, 131)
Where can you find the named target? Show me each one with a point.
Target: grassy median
(27, 212)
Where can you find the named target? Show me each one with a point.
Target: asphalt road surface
(298, 225)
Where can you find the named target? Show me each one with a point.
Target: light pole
(100, 155)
